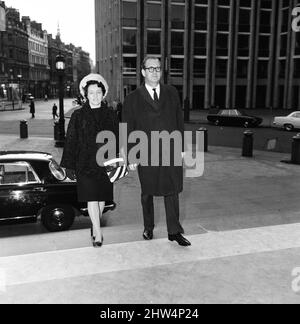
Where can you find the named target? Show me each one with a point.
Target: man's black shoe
(148, 235)
(179, 239)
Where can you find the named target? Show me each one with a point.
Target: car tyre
(288, 127)
(58, 218)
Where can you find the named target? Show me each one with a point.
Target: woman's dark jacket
(80, 147)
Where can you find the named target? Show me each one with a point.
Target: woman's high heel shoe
(98, 244)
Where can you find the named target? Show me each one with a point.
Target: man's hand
(71, 174)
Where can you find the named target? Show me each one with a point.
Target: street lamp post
(19, 81)
(11, 88)
(60, 68)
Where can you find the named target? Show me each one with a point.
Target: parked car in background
(233, 117)
(32, 184)
(289, 123)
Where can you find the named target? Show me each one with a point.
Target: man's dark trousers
(172, 213)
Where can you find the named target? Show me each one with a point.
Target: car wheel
(58, 218)
(288, 127)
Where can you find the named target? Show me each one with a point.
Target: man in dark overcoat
(156, 107)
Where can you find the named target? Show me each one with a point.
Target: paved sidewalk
(242, 217)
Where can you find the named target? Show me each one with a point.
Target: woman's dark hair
(99, 84)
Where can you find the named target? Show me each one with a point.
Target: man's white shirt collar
(151, 92)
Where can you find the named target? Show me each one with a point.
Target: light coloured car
(289, 123)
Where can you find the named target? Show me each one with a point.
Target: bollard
(296, 150)
(248, 144)
(205, 138)
(23, 129)
(56, 131)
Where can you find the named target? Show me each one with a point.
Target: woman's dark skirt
(92, 189)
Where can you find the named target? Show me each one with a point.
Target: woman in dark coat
(32, 108)
(79, 157)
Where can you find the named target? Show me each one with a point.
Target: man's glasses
(152, 69)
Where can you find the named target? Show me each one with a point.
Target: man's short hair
(147, 58)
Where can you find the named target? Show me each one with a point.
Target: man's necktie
(155, 96)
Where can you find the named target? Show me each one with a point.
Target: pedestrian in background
(54, 111)
(157, 107)
(119, 110)
(32, 108)
(79, 157)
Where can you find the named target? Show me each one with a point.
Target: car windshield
(230, 113)
(58, 172)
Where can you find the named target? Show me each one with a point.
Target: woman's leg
(101, 208)
(95, 214)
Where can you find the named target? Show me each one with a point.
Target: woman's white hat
(93, 77)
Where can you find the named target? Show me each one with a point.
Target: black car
(233, 117)
(32, 184)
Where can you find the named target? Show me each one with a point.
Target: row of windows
(154, 15)
(34, 59)
(154, 41)
(39, 75)
(38, 47)
(199, 67)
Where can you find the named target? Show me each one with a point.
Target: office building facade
(227, 53)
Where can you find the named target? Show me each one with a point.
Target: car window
(17, 174)
(297, 115)
(57, 171)
(225, 113)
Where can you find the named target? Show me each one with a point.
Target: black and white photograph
(149, 155)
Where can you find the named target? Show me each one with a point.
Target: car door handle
(39, 190)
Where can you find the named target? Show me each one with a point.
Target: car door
(21, 192)
(296, 120)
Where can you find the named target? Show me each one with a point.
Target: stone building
(38, 58)
(14, 56)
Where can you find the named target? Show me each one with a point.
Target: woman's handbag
(116, 169)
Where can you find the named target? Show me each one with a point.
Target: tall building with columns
(227, 53)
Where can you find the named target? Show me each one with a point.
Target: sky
(76, 19)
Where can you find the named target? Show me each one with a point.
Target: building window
(297, 68)
(222, 44)
(244, 20)
(177, 43)
(223, 19)
(262, 69)
(243, 45)
(129, 13)
(200, 43)
(201, 14)
(129, 41)
(221, 68)
(177, 67)
(154, 42)
(199, 68)
(154, 15)
(129, 66)
(264, 46)
(265, 21)
(242, 68)
(177, 16)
